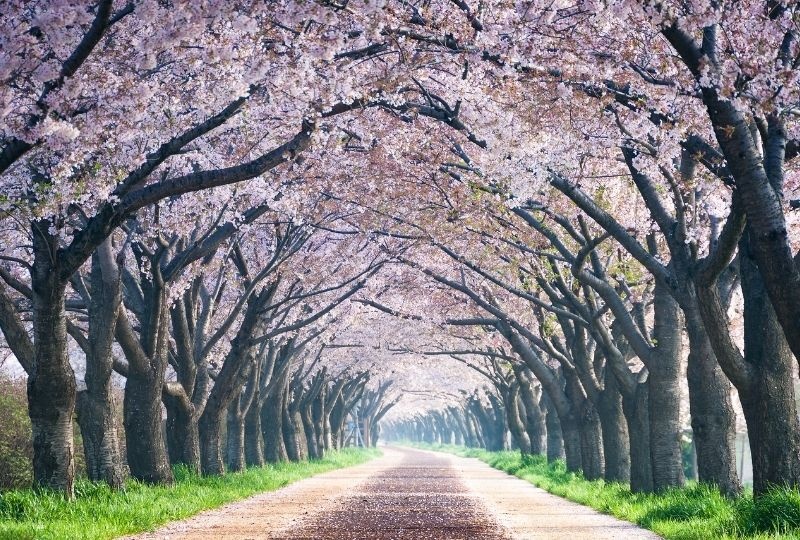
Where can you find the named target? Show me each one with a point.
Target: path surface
(404, 495)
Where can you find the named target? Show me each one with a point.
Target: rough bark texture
(272, 424)
(253, 445)
(239, 365)
(144, 433)
(616, 448)
(100, 439)
(147, 360)
(713, 418)
(531, 396)
(95, 405)
(571, 439)
(51, 384)
(664, 394)
(587, 424)
(293, 435)
(758, 173)
(637, 413)
(514, 414)
(591, 440)
(183, 437)
(211, 459)
(555, 439)
(768, 399)
(319, 418)
(234, 449)
(310, 433)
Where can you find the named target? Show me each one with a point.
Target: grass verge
(696, 512)
(99, 513)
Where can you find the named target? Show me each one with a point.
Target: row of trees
(585, 190)
(217, 334)
(490, 420)
(100, 249)
(649, 220)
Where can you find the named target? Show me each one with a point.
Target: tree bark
(183, 437)
(308, 429)
(665, 394)
(514, 418)
(768, 398)
(318, 419)
(51, 384)
(100, 438)
(234, 449)
(240, 363)
(211, 462)
(534, 417)
(95, 405)
(555, 438)
(144, 433)
(147, 365)
(572, 441)
(272, 425)
(637, 412)
(713, 418)
(253, 447)
(616, 440)
(591, 441)
(293, 435)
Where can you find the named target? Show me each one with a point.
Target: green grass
(696, 512)
(98, 512)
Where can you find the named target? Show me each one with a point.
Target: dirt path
(406, 494)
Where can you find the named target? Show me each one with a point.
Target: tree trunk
(240, 365)
(51, 385)
(253, 452)
(144, 434)
(534, 417)
(210, 425)
(300, 436)
(636, 408)
(591, 441)
(183, 437)
(555, 438)
(95, 405)
(290, 435)
(458, 436)
(100, 438)
(768, 397)
(493, 423)
(515, 423)
(318, 418)
(366, 431)
(713, 418)
(616, 449)
(571, 438)
(376, 435)
(587, 422)
(308, 429)
(272, 426)
(327, 431)
(237, 368)
(472, 438)
(235, 438)
(665, 394)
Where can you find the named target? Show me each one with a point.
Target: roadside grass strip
(99, 512)
(695, 512)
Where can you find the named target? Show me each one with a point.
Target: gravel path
(404, 495)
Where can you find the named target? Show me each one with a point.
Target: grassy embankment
(98, 512)
(696, 512)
